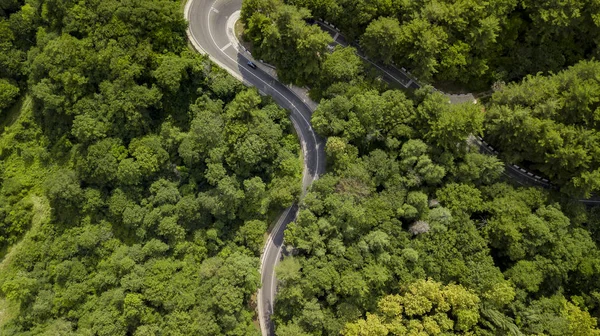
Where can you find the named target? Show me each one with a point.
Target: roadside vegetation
(413, 231)
(470, 42)
(407, 207)
(137, 178)
(551, 124)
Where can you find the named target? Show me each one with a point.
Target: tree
(460, 198)
(424, 306)
(171, 71)
(8, 93)
(380, 37)
(451, 127)
(252, 234)
(479, 168)
(342, 65)
(144, 174)
(371, 326)
(418, 166)
(548, 121)
(555, 315)
(288, 270)
(58, 89)
(473, 44)
(291, 329)
(580, 322)
(149, 154)
(366, 118)
(281, 36)
(64, 189)
(419, 227)
(205, 131)
(102, 160)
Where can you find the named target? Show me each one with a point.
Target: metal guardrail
(523, 173)
(516, 170)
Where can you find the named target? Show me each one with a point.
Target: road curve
(207, 31)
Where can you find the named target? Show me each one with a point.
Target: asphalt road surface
(208, 33)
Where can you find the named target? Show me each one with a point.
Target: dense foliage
(408, 199)
(471, 42)
(146, 177)
(138, 180)
(551, 125)
(16, 31)
(280, 35)
(413, 231)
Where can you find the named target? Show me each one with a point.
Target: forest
(139, 180)
(410, 234)
(468, 42)
(413, 230)
(550, 124)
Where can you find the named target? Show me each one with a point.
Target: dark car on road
(251, 64)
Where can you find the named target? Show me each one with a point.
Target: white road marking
(275, 229)
(310, 130)
(226, 46)
(214, 10)
(336, 36)
(273, 279)
(267, 84)
(230, 29)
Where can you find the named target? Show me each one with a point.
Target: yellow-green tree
(425, 307)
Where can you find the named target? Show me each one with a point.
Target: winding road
(208, 32)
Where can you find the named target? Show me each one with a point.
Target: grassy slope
(31, 171)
